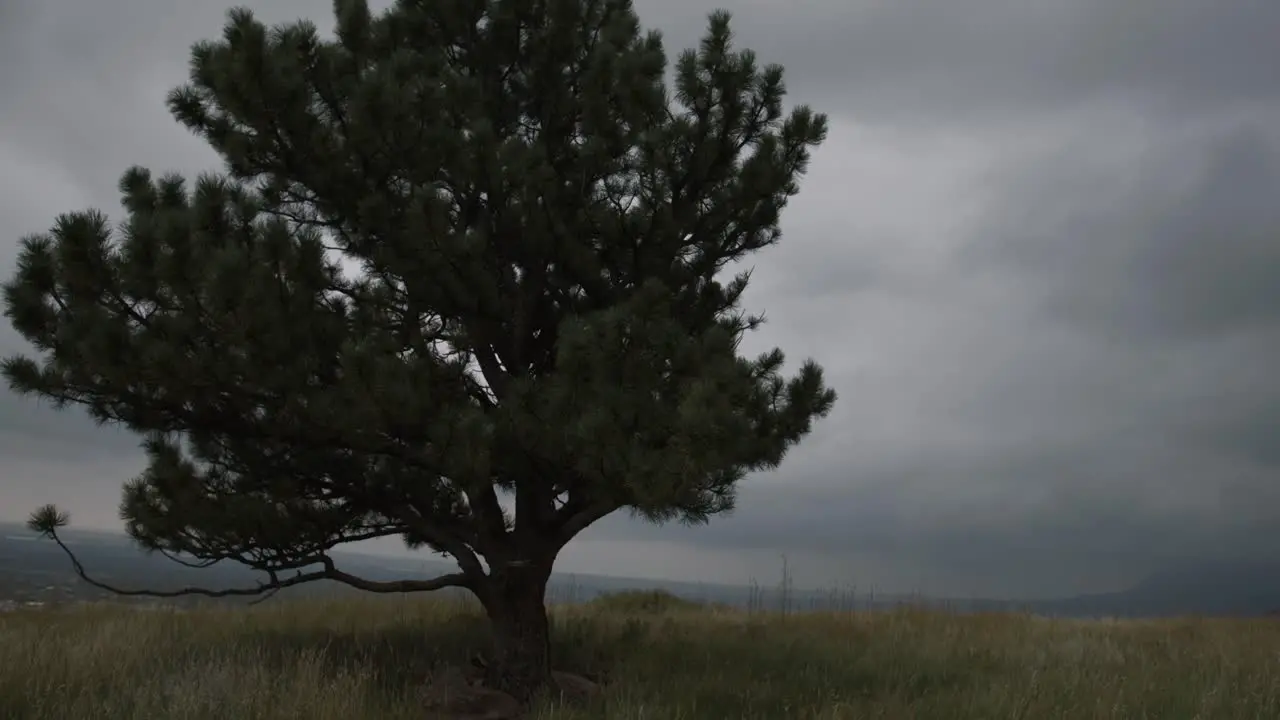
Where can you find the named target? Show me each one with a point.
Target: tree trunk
(516, 606)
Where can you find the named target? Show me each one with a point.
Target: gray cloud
(1176, 239)
(1036, 256)
(993, 62)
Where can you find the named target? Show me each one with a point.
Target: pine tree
(539, 332)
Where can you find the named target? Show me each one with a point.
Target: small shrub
(644, 601)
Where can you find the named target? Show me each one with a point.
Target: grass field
(369, 658)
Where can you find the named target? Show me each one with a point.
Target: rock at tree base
(574, 687)
(454, 694)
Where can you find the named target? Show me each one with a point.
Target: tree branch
(449, 542)
(275, 584)
(576, 520)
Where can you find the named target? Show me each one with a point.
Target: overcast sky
(1039, 256)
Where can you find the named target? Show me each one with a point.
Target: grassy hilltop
(661, 658)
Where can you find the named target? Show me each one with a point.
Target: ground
(372, 657)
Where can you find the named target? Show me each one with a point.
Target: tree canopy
(462, 281)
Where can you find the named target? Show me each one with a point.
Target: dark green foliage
(540, 228)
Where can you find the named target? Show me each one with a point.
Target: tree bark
(515, 601)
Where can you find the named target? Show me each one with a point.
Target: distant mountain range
(1231, 589)
(1214, 589)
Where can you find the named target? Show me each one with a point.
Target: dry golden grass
(369, 658)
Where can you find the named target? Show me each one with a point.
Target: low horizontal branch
(329, 571)
(574, 522)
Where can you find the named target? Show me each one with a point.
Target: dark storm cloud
(1090, 381)
(1113, 407)
(1175, 249)
(1036, 255)
(1181, 241)
(1113, 404)
(992, 62)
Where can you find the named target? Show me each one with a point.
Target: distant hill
(112, 557)
(1217, 589)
